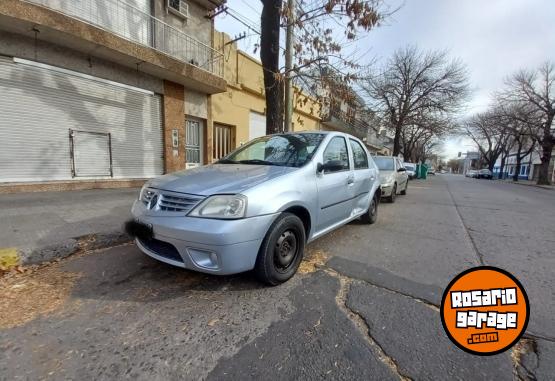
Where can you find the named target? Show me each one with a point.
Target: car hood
(218, 178)
(386, 176)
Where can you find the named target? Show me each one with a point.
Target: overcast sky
(494, 38)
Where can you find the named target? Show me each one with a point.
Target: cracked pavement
(369, 312)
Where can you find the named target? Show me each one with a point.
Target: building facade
(104, 93)
(529, 167)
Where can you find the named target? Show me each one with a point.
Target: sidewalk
(47, 225)
(528, 183)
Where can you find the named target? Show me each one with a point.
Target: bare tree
(534, 90)
(490, 135)
(424, 129)
(414, 83)
(318, 46)
(520, 122)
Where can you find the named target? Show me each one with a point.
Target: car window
(337, 151)
(291, 150)
(360, 157)
(384, 163)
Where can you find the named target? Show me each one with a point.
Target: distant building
(529, 166)
(471, 161)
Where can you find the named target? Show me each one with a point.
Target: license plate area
(139, 230)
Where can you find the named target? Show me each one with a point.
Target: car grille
(163, 249)
(171, 201)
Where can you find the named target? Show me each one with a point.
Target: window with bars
(224, 141)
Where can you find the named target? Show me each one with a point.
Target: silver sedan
(257, 207)
(393, 177)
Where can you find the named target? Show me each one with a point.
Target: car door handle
(350, 180)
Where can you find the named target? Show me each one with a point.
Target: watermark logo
(485, 310)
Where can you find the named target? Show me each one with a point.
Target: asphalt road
(368, 310)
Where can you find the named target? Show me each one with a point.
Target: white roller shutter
(40, 105)
(257, 125)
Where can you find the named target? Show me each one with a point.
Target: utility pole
(289, 65)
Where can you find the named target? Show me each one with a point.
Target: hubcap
(373, 207)
(285, 250)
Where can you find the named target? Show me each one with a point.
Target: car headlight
(221, 206)
(143, 189)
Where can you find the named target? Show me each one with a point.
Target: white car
(393, 177)
(411, 170)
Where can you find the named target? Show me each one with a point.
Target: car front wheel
(404, 191)
(391, 198)
(281, 251)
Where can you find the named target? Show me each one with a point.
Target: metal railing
(134, 24)
(350, 119)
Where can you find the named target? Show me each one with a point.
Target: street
(364, 306)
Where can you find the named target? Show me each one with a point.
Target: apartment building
(104, 93)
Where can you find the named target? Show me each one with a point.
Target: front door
(193, 143)
(335, 188)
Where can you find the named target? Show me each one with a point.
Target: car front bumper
(387, 190)
(202, 244)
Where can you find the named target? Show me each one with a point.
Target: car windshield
(289, 150)
(384, 163)
(409, 167)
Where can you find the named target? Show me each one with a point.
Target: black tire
(391, 198)
(371, 215)
(281, 251)
(404, 191)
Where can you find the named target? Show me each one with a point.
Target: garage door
(257, 125)
(60, 125)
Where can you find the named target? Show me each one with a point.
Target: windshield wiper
(226, 161)
(257, 161)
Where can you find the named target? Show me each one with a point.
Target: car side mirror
(330, 165)
(401, 170)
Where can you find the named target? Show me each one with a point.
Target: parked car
(411, 170)
(393, 177)
(431, 171)
(471, 173)
(484, 174)
(257, 207)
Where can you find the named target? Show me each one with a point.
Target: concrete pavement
(47, 225)
(369, 312)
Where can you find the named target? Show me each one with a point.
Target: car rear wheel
(371, 214)
(281, 251)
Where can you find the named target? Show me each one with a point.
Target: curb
(548, 187)
(35, 256)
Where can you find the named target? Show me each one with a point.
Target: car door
(364, 175)
(335, 187)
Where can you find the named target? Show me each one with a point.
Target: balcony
(117, 31)
(133, 24)
(346, 122)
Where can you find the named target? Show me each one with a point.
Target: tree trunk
(502, 167)
(491, 165)
(397, 139)
(518, 161)
(269, 55)
(543, 176)
(517, 167)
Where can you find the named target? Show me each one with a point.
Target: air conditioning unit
(178, 8)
